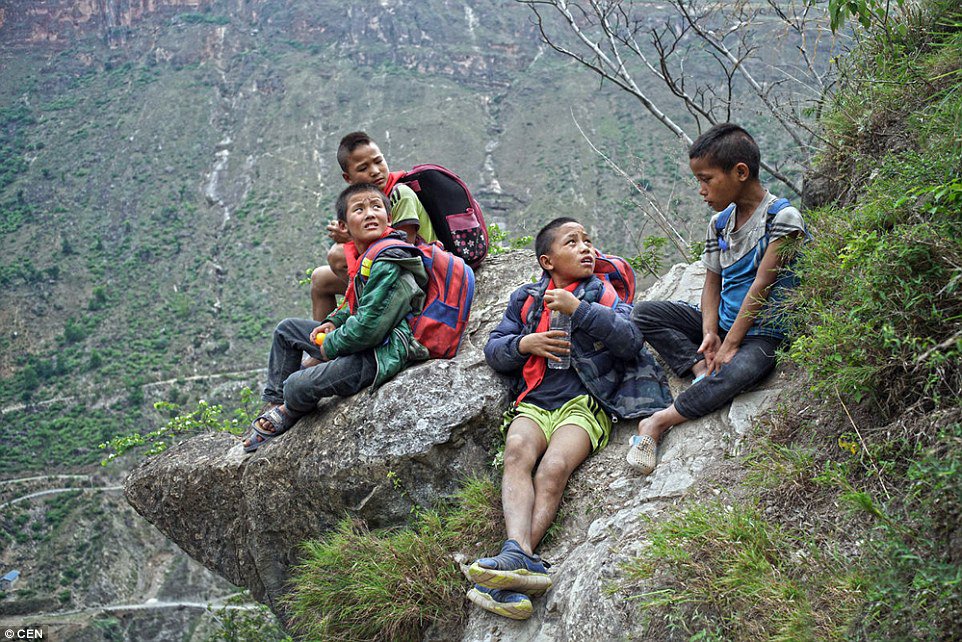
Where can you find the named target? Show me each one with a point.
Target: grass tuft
(723, 572)
(357, 584)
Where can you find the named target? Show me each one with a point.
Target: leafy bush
(913, 575)
(207, 417)
(879, 307)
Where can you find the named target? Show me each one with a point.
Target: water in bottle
(561, 321)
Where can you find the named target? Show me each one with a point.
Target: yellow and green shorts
(582, 411)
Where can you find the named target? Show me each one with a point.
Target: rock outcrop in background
(371, 456)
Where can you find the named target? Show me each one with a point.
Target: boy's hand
(545, 344)
(724, 355)
(561, 300)
(337, 231)
(709, 347)
(324, 327)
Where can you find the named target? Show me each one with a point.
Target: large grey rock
(607, 508)
(244, 516)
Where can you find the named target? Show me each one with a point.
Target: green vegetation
(879, 324)
(499, 241)
(726, 573)
(206, 417)
(389, 585)
(256, 625)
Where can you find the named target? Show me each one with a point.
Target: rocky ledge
(244, 516)
(372, 456)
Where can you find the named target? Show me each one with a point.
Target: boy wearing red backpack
(561, 414)
(361, 161)
(360, 345)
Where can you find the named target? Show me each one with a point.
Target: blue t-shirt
(738, 265)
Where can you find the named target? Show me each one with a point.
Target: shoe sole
(520, 580)
(514, 610)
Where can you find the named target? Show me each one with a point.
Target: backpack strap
(721, 222)
(777, 206)
(374, 250)
(392, 181)
(609, 296)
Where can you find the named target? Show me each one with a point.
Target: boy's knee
(645, 314)
(284, 327)
(552, 473)
(335, 255)
(518, 451)
(337, 260)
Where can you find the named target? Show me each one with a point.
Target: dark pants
(300, 390)
(674, 331)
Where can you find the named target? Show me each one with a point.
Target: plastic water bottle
(561, 321)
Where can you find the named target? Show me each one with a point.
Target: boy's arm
(384, 304)
(502, 351)
(404, 213)
(710, 298)
(757, 295)
(612, 326)
(339, 316)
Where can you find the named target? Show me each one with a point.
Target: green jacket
(394, 289)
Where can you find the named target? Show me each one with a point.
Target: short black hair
(546, 235)
(348, 144)
(726, 145)
(341, 206)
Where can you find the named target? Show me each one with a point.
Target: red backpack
(455, 216)
(619, 281)
(439, 327)
(617, 271)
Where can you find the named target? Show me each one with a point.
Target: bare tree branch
(653, 209)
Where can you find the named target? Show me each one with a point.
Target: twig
(864, 450)
(655, 212)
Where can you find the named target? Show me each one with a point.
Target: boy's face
(571, 257)
(366, 218)
(717, 187)
(366, 165)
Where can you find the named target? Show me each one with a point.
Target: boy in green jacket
(360, 345)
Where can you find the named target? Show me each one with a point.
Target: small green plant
(248, 625)
(651, 257)
(206, 417)
(497, 238)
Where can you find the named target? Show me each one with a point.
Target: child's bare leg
(523, 446)
(328, 281)
(569, 446)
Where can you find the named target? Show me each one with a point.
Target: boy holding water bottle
(579, 361)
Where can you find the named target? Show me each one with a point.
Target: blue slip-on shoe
(516, 606)
(512, 569)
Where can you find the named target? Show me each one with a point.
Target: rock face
(371, 456)
(607, 507)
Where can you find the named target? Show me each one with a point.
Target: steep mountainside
(168, 168)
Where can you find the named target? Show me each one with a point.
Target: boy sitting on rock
(729, 344)
(361, 161)
(363, 344)
(561, 414)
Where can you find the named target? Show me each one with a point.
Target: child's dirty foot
(643, 447)
(272, 422)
